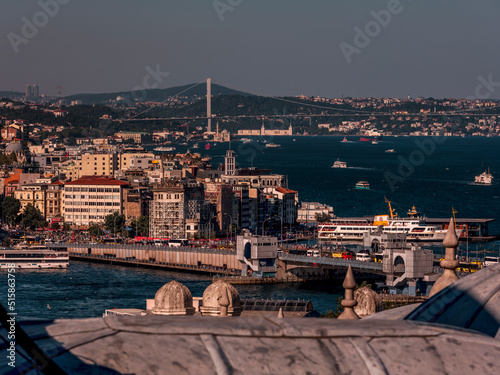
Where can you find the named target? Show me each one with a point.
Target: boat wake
(362, 168)
(476, 184)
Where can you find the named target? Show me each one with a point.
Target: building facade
(90, 199)
(97, 164)
(178, 210)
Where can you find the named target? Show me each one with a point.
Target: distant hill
(156, 95)
(10, 94)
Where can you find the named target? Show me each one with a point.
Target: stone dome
(173, 298)
(221, 299)
(14, 147)
(369, 302)
(473, 302)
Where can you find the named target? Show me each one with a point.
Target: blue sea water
(435, 181)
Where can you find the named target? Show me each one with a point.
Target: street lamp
(114, 228)
(264, 233)
(230, 227)
(210, 228)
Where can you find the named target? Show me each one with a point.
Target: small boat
(207, 146)
(344, 140)
(246, 140)
(391, 150)
(195, 145)
(339, 164)
(164, 149)
(294, 139)
(362, 185)
(183, 144)
(484, 178)
(272, 145)
(374, 142)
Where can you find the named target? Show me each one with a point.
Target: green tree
(31, 217)
(114, 222)
(321, 217)
(10, 208)
(55, 225)
(140, 226)
(95, 229)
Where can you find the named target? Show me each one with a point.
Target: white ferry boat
(362, 185)
(484, 178)
(339, 164)
(352, 229)
(164, 149)
(36, 257)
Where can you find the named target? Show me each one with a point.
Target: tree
(10, 208)
(322, 217)
(140, 226)
(55, 225)
(114, 222)
(31, 217)
(95, 229)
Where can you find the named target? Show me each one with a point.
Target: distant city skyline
(381, 48)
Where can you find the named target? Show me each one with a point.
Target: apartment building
(34, 194)
(178, 210)
(97, 164)
(90, 199)
(54, 200)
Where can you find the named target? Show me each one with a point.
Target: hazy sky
(435, 48)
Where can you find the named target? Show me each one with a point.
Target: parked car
(363, 257)
(489, 261)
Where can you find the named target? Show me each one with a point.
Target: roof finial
(349, 302)
(280, 313)
(223, 303)
(449, 263)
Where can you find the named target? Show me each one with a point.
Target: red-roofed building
(90, 199)
(60, 112)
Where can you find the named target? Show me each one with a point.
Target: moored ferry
(36, 257)
(352, 229)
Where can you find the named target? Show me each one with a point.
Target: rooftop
(214, 345)
(97, 180)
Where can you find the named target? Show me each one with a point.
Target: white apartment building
(90, 199)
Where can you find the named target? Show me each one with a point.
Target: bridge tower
(209, 105)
